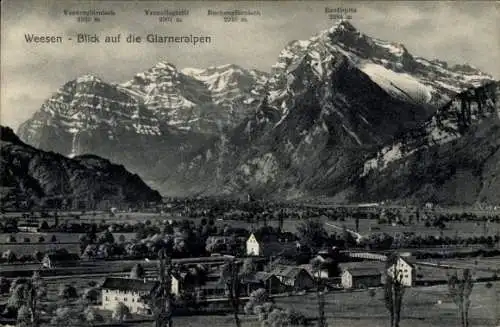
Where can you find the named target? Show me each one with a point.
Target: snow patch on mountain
(401, 85)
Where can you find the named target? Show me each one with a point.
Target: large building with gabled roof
(130, 292)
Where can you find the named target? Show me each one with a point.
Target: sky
(457, 32)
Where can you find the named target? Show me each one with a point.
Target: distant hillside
(30, 176)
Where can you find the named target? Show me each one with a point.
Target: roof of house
(409, 260)
(258, 277)
(180, 275)
(288, 271)
(262, 275)
(363, 272)
(264, 236)
(128, 284)
(311, 270)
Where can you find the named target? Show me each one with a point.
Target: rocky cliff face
(149, 123)
(34, 177)
(202, 100)
(454, 157)
(332, 103)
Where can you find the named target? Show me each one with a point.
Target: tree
(231, 276)
(44, 225)
(312, 233)
(257, 297)
(160, 300)
(460, 290)
(23, 316)
(107, 237)
(91, 295)
(137, 272)
(316, 268)
(120, 312)
(4, 285)
(91, 316)
(394, 292)
(67, 292)
(28, 294)
(38, 256)
(9, 255)
(278, 318)
(66, 316)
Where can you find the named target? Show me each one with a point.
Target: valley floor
(423, 307)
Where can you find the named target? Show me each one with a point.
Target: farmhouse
(403, 268)
(128, 291)
(181, 282)
(361, 278)
(263, 280)
(29, 227)
(57, 259)
(266, 244)
(294, 277)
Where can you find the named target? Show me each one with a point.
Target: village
(240, 259)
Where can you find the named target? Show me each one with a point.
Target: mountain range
(341, 114)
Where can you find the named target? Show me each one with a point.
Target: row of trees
(384, 241)
(41, 239)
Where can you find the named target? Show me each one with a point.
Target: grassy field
(458, 228)
(30, 248)
(69, 241)
(422, 307)
(491, 264)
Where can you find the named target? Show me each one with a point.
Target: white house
(128, 291)
(253, 246)
(403, 269)
(180, 282)
(263, 244)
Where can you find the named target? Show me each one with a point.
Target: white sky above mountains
(457, 32)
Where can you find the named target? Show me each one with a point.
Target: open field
(488, 264)
(93, 217)
(325, 202)
(20, 249)
(68, 241)
(453, 228)
(60, 236)
(421, 307)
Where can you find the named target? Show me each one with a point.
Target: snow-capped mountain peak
(387, 63)
(342, 26)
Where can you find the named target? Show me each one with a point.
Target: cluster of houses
(279, 277)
